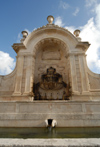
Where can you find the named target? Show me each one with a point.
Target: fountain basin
(81, 132)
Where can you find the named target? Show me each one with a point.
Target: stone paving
(50, 142)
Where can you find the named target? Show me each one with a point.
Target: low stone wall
(50, 142)
(34, 114)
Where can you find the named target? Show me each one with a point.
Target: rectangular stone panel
(50, 108)
(61, 116)
(22, 123)
(93, 108)
(7, 107)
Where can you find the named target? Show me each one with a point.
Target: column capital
(83, 45)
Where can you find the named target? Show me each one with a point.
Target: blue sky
(19, 15)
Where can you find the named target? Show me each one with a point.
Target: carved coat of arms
(52, 80)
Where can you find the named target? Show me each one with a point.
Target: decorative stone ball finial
(76, 33)
(50, 19)
(24, 33)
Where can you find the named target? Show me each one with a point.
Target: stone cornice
(53, 26)
(25, 54)
(83, 45)
(18, 46)
(75, 54)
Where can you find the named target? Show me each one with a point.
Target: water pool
(47, 133)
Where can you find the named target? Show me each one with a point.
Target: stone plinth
(34, 114)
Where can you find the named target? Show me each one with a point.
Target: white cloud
(64, 5)
(90, 3)
(91, 32)
(76, 11)
(58, 21)
(28, 31)
(7, 63)
(19, 37)
(97, 10)
(70, 28)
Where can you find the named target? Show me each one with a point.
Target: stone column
(19, 74)
(73, 74)
(84, 78)
(29, 75)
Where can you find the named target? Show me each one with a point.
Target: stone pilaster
(84, 78)
(29, 75)
(19, 74)
(74, 84)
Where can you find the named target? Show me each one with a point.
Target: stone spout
(50, 123)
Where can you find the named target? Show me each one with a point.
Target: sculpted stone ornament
(50, 81)
(77, 33)
(25, 34)
(50, 19)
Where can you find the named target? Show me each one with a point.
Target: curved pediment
(47, 32)
(50, 31)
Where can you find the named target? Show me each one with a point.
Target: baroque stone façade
(51, 68)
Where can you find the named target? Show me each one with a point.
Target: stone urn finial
(24, 33)
(77, 33)
(50, 19)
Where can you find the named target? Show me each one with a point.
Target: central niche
(51, 78)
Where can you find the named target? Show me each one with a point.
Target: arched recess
(48, 32)
(33, 45)
(51, 70)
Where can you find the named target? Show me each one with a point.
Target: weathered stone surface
(50, 47)
(45, 47)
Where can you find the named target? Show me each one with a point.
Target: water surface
(47, 133)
